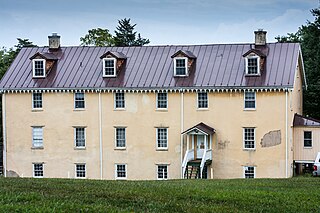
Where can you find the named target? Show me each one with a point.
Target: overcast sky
(162, 21)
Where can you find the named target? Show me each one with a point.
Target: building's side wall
(302, 153)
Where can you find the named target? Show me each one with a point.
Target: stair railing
(187, 157)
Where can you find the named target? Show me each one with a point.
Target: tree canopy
(309, 37)
(124, 36)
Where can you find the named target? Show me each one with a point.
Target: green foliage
(126, 36)
(309, 37)
(98, 37)
(238, 195)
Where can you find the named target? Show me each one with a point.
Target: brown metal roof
(202, 127)
(299, 120)
(217, 66)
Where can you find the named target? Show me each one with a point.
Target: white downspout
(4, 135)
(100, 137)
(182, 128)
(286, 133)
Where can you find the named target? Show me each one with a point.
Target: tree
(98, 37)
(309, 37)
(126, 36)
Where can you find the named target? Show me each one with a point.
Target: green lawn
(240, 195)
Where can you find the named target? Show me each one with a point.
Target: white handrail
(188, 156)
(206, 156)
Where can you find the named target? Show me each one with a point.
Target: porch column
(187, 142)
(205, 142)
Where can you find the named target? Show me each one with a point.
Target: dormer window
(39, 68)
(109, 67)
(252, 65)
(180, 66)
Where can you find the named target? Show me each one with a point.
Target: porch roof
(299, 120)
(201, 127)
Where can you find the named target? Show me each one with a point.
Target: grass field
(240, 195)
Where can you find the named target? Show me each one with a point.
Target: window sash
(162, 172)
(202, 100)
(109, 67)
(120, 137)
(121, 171)
(37, 136)
(119, 100)
(249, 172)
(307, 140)
(249, 138)
(37, 100)
(80, 170)
(180, 66)
(38, 170)
(162, 138)
(80, 137)
(249, 100)
(79, 102)
(253, 66)
(162, 100)
(38, 68)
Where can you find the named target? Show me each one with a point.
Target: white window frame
(167, 135)
(114, 67)
(124, 100)
(115, 137)
(175, 65)
(157, 105)
(34, 66)
(157, 172)
(34, 171)
(255, 100)
(244, 171)
(33, 101)
(33, 138)
(75, 170)
(258, 65)
(244, 139)
(307, 147)
(116, 171)
(75, 137)
(202, 108)
(74, 101)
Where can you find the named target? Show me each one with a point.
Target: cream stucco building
(153, 112)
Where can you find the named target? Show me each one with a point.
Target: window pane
(120, 137)
(37, 137)
(162, 100)
(37, 100)
(80, 170)
(79, 100)
(202, 100)
(249, 138)
(162, 137)
(80, 137)
(38, 170)
(162, 171)
(119, 100)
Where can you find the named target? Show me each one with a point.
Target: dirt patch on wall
(272, 138)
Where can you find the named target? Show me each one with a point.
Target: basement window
(38, 68)
(121, 171)
(80, 170)
(109, 67)
(180, 66)
(38, 170)
(162, 172)
(249, 172)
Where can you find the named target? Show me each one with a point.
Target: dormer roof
(44, 55)
(117, 55)
(185, 53)
(255, 51)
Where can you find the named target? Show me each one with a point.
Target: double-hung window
(249, 138)
(37, 136)
(37, 100)
(109, 67)
(180, 66)
(39, 68)
(162, 138)
(38, 170)
(202, 100)
(162, 172)
(249, 172)
(162, 100)
(119, 101)
(80, 170)
(79, 102)
(80, 137)
(252, 65)
(307, 140)
(120, 137)
(249, 100)
(121, 171)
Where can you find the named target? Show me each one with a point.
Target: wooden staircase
(193, 170)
